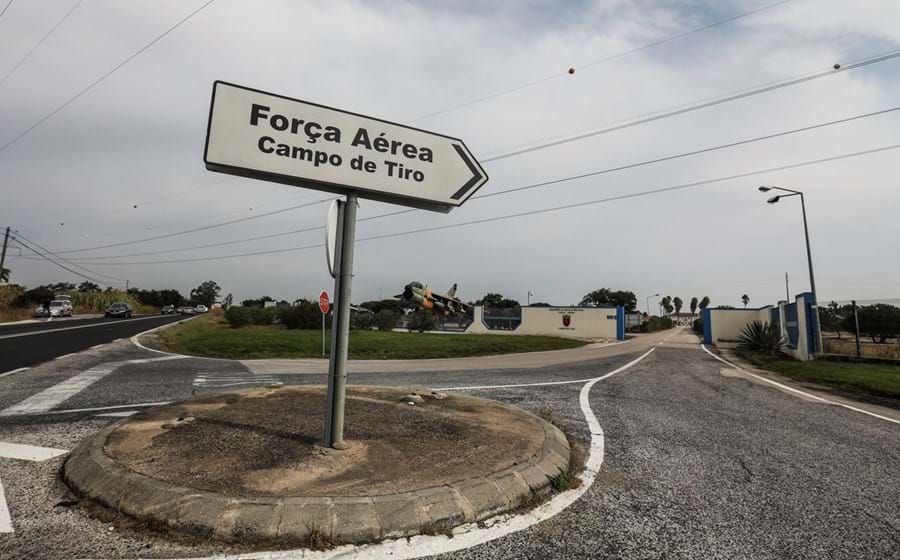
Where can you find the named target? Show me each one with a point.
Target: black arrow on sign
(476, 173)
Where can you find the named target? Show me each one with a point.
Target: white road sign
(275, 138)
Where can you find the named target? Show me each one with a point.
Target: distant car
(185, 310)
(201, 309)
(61, 308)
(119, 310)
(167, 310)
(41, 311)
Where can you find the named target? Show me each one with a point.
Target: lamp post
(530, 293)
(648, 303)
(812, 278)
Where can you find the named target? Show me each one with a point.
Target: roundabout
(247, 466)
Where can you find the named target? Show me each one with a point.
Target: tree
(386, 319)
(261, 302)
(745, 299)
(666, 304)
(678, 304)
(490, 300)
(879, 322)
(87, 286)
(206, 293)
(704, 303)
(604, 297)
(693, 306)
(832, 316)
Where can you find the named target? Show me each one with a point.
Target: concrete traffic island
(247, 466)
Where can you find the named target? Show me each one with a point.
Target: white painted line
(798, 391)
(28, 452)
(114, 407)
(94, 347)
(123, 414)
(61, 329)
(219, 386)
(65, 356)
(59, 393)
(472, 534)
(136, 342)
(5, 519)
(14, 371)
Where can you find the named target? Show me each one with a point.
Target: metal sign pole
(340, 328)
(323, 335)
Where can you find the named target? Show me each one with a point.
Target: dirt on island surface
(267, 442)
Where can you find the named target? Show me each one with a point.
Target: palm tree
(694, 303)
(746, 299)
(704, 303)
(678, 304)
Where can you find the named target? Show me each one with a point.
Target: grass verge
(212, 337)
(855, 379)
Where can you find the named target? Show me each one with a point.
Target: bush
(263, 316)
(386, 320)
(238, 317)
(361, 320)
(761, 338)
(304, 315)
(698, 326)
(656, 324)
(421, 320)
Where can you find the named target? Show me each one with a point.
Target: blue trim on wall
(620, 323)
(809, 301)
(707, 325)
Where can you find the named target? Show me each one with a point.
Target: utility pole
(3, 254)
(856, 328)
(787, 289)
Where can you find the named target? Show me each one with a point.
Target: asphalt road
(29, 344)
(699, 462)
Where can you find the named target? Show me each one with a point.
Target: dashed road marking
(25, 453)
(14, 371)
(114, 407)
(65, 356)
(123, 414)
(59, 393)
(225, 380)
(798, 391)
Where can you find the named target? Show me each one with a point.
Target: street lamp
(530, 293)
(812, 279)
(774, 200)
(648, 303)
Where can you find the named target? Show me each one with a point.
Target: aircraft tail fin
(451, 293)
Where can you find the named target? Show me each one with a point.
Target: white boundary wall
(570, 322)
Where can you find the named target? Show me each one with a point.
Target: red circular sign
(324, 306)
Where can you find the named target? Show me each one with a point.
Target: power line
(18, 234)
(194, 230)
(701, 105)
(538, 211)
(600, 61)
(8, 4)
(75, 272)
(104, 76)
(524, 187)
(39, 43)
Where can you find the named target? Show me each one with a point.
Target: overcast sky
(137, 139)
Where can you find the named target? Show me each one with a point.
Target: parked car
(119, 309)
(167, 310)
(185, 310)
(61, 308)
(201, 309)
(41, 311)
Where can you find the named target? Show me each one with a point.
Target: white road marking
(28, 452)
(94, 347)
(13, 371)
(472, 534)
(136, 342)
(224, 380)
(61, 329)
(114, 407)
(123, 414)
(5, 519)
(798, 391)
(65, 356)
(59, 393)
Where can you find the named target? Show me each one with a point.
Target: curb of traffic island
(305, 520)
